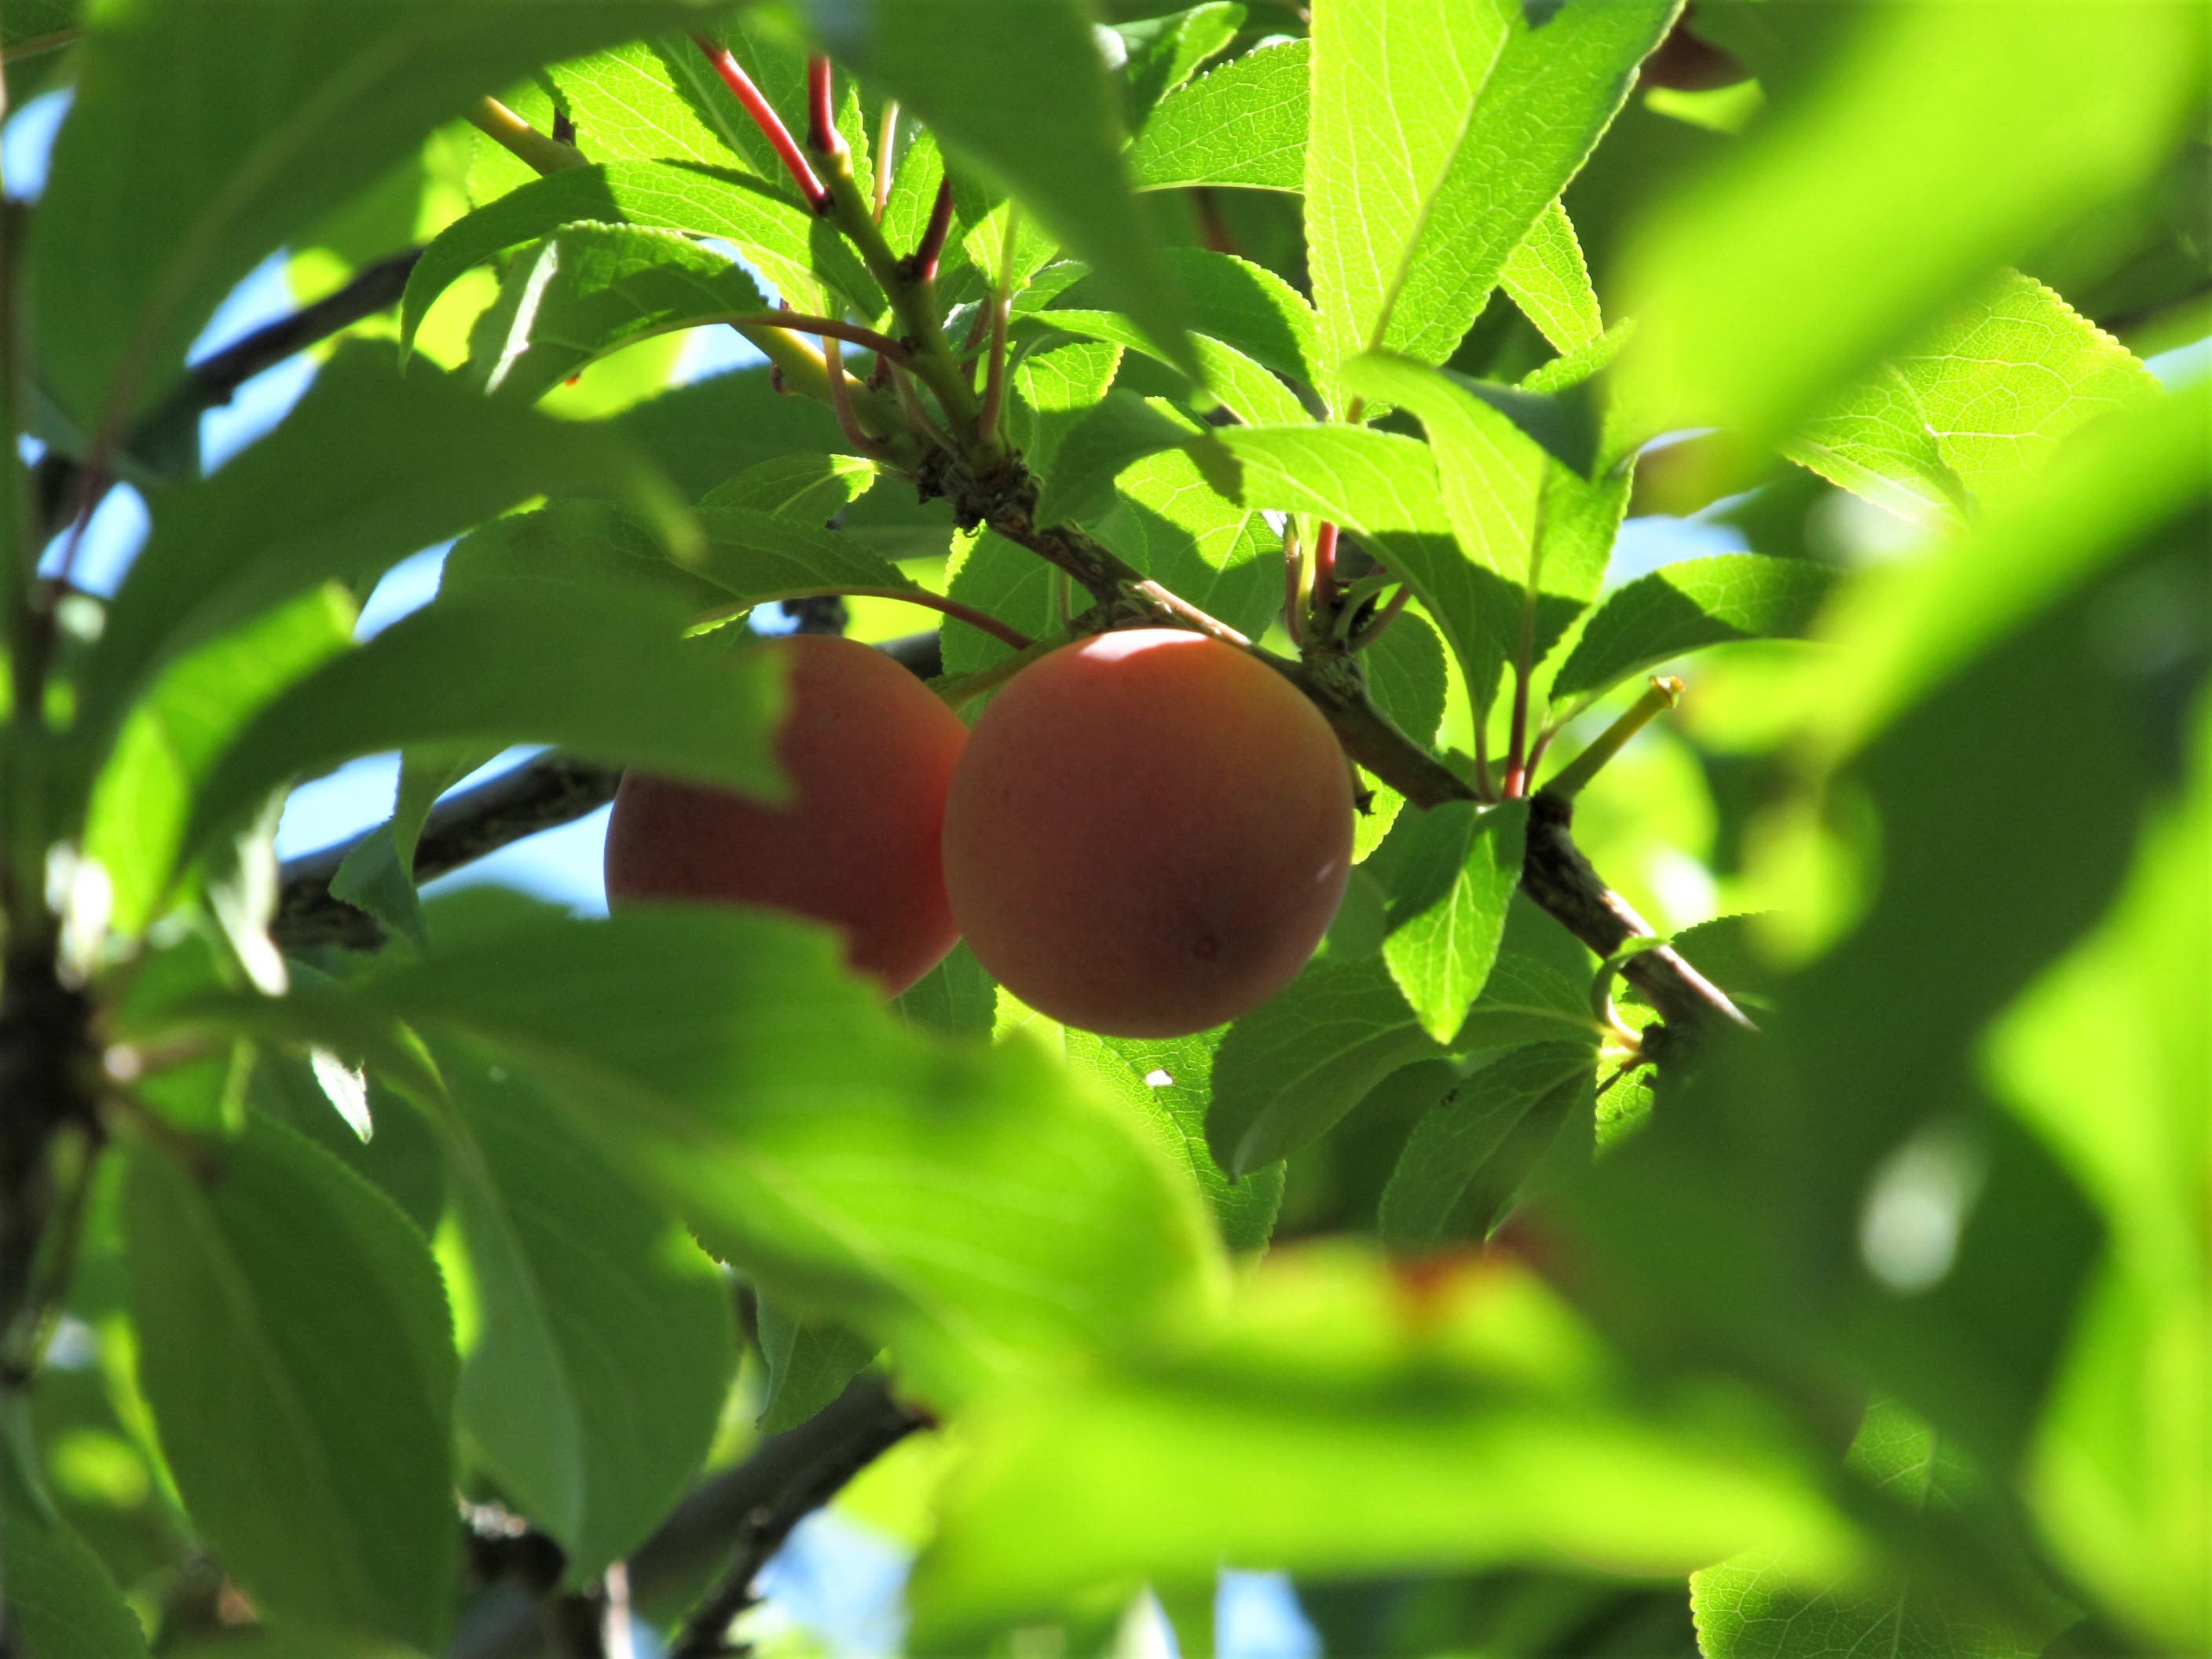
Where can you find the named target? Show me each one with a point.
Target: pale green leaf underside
(1976, 407)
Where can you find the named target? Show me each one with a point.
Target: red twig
(771, 124)
(1517, 743)
(1324, 569)
(800, 322)
(930, 249)
(822, 135)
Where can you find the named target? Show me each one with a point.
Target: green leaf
(515, 664)
(730, 1064)
(588, 290)
(1547, 278)
(295, 1347)
(1242, 123)
(1348, 1420)
(703, 432)
(1412, 211)
(810, 489)
(1451, 885)
(1382, 488)
(1165, 52)
(61, 1603)
(1171, 524)
(956, 998)
(402, 1157)
(166, 189)
(1685, 607)
(756, 557)
(1535, 536)
(1937, 143)
(1002, 580)
(1460, 1138)
(1054, 390)
(1036, 112)
(1247, 306)
(1178, 1073)
(1121, 430)
(1287, 1071)
(1976, 407)
(174, 733)
(661, 100)
(809, 1364)
(789, 245)
(1748, 1609)
(605, 1344)
(366, 470)
(1243, 387)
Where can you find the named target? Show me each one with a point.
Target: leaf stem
(840, 401)
(1662, 694)
(1294, 581)
(930, 249)
(822, 135)
(1393, 608)
(757, 106)
(825, 327)
(1324, 570)
(1002, 307)
(520, 139)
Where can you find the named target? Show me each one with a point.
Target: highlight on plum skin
(1148, 834)
(869, 751)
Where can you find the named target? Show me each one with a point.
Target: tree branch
(720, 1513)
(214, 379)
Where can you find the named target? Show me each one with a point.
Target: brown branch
(214, 379)
(717, 1515)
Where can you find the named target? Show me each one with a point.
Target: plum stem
(982, 620)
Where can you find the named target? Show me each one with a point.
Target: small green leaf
(1178, 1073)
(956, 998)
(1172, 526)
(1036, 112)
(1287, 1071)
(1247, 306)
(1242, 123)
(515, 666)
(1165, 52)
(588, 290)
(782, 238)
(1450, 886)
(605, 1344)
(1121, 430)
(1053, 391)
(1685, 607)
(1975, 407)
(1243, 387)
(294, 1346)
(1458, 1140)
(1548, 279)
(810, 1361)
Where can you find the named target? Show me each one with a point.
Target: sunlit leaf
(1456, 871)
(1244, 123)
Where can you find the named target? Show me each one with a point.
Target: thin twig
(764, 116)
(930, 250)
(1324, 569)
(822, 135)
(521, 140)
